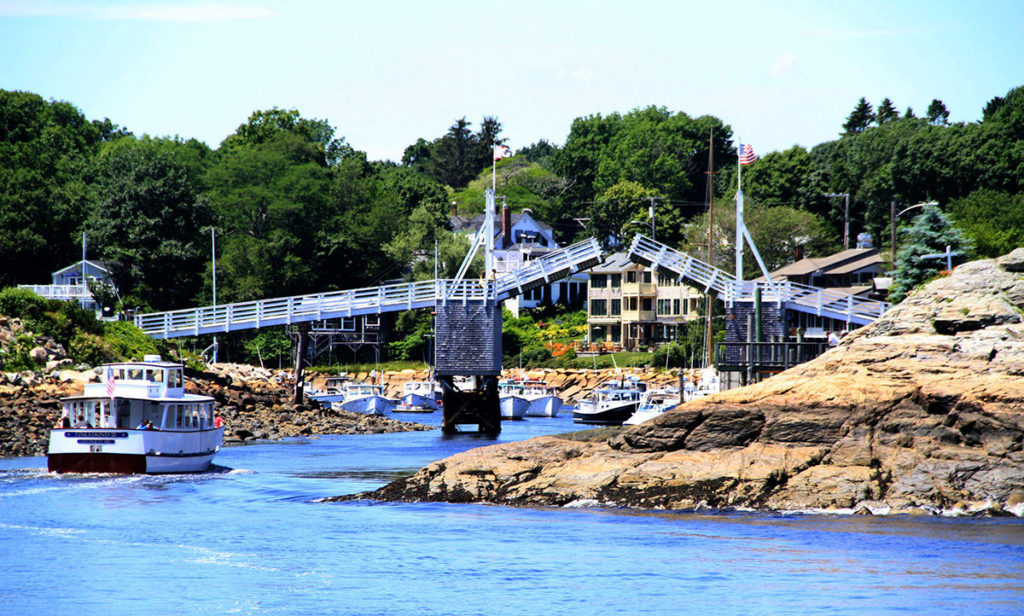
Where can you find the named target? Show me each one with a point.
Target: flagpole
(739, 215)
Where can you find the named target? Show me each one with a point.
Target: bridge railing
(555, 265)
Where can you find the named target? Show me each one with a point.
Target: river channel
(251, 538)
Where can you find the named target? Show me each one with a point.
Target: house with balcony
(631, 306)
(71, 283)
(518, 239)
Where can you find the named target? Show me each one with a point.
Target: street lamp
(645, 223)
(893, 215)
(846, 217)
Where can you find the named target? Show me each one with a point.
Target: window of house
(647, 277)
(646, 304)
(598, 281)
(631, 303)
(675, 306)
(616, 307)
(616, 335)
(664, 307)
(631, 276)
(616, 280)
(598, 307)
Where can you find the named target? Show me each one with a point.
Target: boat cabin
(133, 393)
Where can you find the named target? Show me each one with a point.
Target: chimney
(798, 253)
(506, 227)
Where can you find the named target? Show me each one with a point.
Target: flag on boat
(110, 382)
(501, 151)
(747, 155)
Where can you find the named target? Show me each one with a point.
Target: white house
(67, 283)
(519, 238)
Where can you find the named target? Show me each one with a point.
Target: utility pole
(846, 217)
(711, 225)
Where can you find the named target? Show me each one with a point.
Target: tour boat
(655, 403)
(544, 400)
(138, 419)
(368, 398)
(512, 399)
(612, 403)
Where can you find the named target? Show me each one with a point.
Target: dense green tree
(887, 111)
(992, 220)
(150, 219)
(612, 215)
(860, 118)
(540, 152)
(929, 233)
(45, 185)
(459, 155)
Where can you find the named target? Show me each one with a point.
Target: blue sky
(385, 73)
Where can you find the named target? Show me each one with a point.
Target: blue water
(249, 538)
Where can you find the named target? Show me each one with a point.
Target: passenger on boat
(145, 425)
(218, 421)
(82, 423)
(63, 422)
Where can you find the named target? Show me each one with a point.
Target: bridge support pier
(300, 362)
(478, 405)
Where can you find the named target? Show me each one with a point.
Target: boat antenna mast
(711, 225)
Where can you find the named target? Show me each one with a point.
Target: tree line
(294, 208)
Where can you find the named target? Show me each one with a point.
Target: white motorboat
(333, 391)
(612, 403)
(654, 403)
(544, 400)
(708, 384)
(367, 398)
(175, 432)
(421, 394)
(512, 399)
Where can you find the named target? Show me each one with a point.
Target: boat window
(157, 376)
(134, 374)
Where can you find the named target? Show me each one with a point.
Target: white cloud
(782, 63)
(167, 11)
(583, 73)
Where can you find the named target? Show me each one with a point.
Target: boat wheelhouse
(612, 403)
(137, 419)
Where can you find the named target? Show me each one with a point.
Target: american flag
(747, 155)
(110, 382)
(500, 151)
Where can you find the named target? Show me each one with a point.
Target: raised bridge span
(793, 296)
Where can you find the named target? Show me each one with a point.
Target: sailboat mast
(711, 226)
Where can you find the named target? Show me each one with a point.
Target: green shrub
(86, 348)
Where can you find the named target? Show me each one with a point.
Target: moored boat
(421, 394)
(544, 400)
(333, 391)
(708, 383)
(368, 398)
(512, 399)
(610, 404)
(653, 404)
(174, 432)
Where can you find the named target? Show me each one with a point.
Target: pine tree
(887, 111)
(929, 233)
(937, 113)
(860, 118)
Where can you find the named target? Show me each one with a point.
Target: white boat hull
(513, 407)
(419, 400)
(545, 406)
(372, 405)
(74, 450)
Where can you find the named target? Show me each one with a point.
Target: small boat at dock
(174, 432)
(653, 404)
(612, 403)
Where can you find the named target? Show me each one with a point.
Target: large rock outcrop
(922, 410)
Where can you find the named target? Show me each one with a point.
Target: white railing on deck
(803, 298)
(372, 300)
(58, 291)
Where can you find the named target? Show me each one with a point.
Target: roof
(616, 262)
(843, 262)
(463, 223)
(106, 266)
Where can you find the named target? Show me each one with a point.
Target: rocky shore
(919, 412)
(254, 403)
